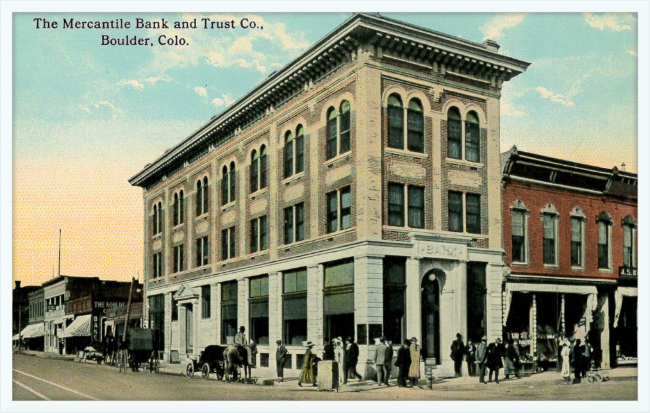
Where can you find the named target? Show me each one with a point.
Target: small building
(115, 318)
(570, 237)
(20, 303)
(31, 320)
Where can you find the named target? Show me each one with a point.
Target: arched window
(415, 133)
(224, 185)
(395, 122)
(345, 127)
(254, 171)
(332, 131)
(155, 219)
(175, 220)
(263, 161)
(181, 207)
(288, 154)
(199, 197)
(300, 149)
(472, 138)
(454, 133)
(206, 195)
(233, 182)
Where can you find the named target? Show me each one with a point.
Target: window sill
(405, 152)
(228, 205)
(338, 158)
(256, 254)
(577, 268)
(520, 264)
(552, 266)
(605, 270)
(258, 193)
(203, 216)
(157, 236)
(179, 227)
(465, 163)
(292, 178)
(337, 232)
(404, 228)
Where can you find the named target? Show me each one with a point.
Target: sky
(87, 117)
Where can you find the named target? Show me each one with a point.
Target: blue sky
(87, 117)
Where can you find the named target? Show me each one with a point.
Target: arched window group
(202, 196)
(338, 130)
(294, 152)
(157, 218)
(414, 124)
(228, 184)
(470, 133)
(258, 169)
(179, 207)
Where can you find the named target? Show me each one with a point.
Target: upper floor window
(414, 122)
(338, 130)
(202, 251)
(206, 293)
(577, 238)
(395, 122)
(258, 169)
(520, 215)
(604, 221)
(179, 207)
(629, 242)
(454, 134)
(228, 184)
(202, 197)
(415, 133)
(179, 258)
(294, 223)
(157, 218)
(157, 265)
(258, 238)
(472, 138)
(228, 244)
(339, 209)
(294, 152)
(550, 219)
(464, 212)
(398, 199)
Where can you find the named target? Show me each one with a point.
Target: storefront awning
(80, 327)
(16, 337)
(618, 300)
(33, 331)
(590, 290)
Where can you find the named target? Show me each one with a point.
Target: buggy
(140, 347)
(210, 361)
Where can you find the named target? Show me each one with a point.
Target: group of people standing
(576, 354)
(345, 353)
(494, 357)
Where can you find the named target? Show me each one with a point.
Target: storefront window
(259, 310)
(294, 306)
(338, 298)
(394, 298)
(229, 293)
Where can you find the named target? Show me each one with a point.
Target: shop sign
(95, 328)
(627, 272)
(109, 304)
(444, 251)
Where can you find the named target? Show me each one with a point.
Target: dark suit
(280, 359)
(328, 351)
(495, 353)
(470, 357)
(457, 351)
(389, 355)
(350, 360)
(403, 363)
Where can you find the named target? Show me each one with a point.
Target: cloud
(633, 53)
(224, 100)
(494, 28)
(614, 21)
(105, 103)
(201, 91)
(136, 85)
(153, 80)
(554, 97)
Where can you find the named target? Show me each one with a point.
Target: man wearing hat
(457, 352)
(240, 340)
(350, 360)
(414, 371)
(382, 362)
(481, 358)
(280, 358)
(403, 363)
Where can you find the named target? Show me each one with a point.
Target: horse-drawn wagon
(140, 347)
(211, 360)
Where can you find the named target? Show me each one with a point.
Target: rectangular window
(628, 245)
(259, 310)
(394, 298)
(456, 211)
(175, 211)
(518, 237)
(157, 265)
(300, 222)
(288, 225)
(300, 153)
(233, 184)
(233, 244)
(416, 206)
(288, 158)
(228, 245)
(254, 175)
(455, 138)
(205, 301)
(294, 304)
(395, 127)
(603, 245)
(174, 310)
(224, 188)
(346, 208)
(332, 208)
(258, 234)
(415, 131)
(472, 142)
(549, 239)
(254, 235)
(263, 167)
(179, 258)
(576, 242)
(202, 251)
(332, 137)
(473, 213)
(229, 300)
(395, 205)
(338, 299)
(263, 243)
(345, 131)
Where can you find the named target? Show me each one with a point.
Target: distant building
(34, 333)
(355, 192)
(20, 305)
(570, 237)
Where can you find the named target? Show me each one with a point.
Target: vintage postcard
(374, 206)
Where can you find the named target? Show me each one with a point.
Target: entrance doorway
(189, 334)
(431, 316)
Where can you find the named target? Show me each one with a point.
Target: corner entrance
(431, 315)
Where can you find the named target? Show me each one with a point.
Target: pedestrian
(414, 371)
(586, 360)
(495, 359)
(482, 358)
(307, 373)
(350, 359)
(457, 351)
(512, 360)
(576, 358)
(280, 358)
(565, 353)
(470, 358)
(389, 355)
(339, 352)
(403, 363)
(382, 361)
(253, 351)
(328, 350)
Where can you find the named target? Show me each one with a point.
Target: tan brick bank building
(355, 192)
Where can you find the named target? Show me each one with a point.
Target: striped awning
(33, 331)
(80, 327)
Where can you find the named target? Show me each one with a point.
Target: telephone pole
(59, 252)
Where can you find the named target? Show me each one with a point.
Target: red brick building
(570, 242)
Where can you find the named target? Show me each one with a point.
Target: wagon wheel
(205, 371)
(220, 371)
(189, 371)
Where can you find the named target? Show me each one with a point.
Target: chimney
(17, 285)
(623, 167)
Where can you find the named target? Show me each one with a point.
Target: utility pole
(128, 311)
(20, 337)
(59, 252)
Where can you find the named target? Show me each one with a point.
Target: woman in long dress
(414, 371)
(566, 366)
(307, 373)
(338, 356)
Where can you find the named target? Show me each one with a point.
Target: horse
(233, 357)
